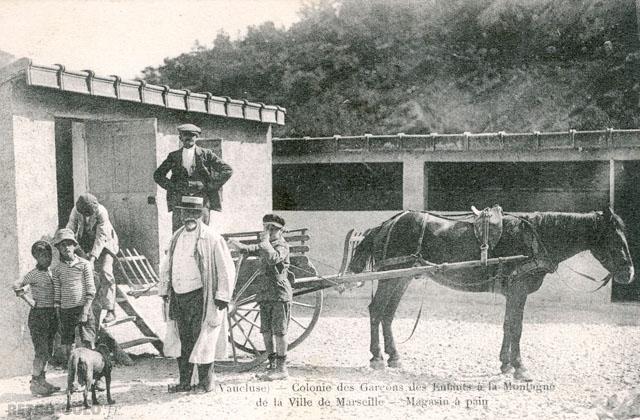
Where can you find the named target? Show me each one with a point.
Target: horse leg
(515, 306)
(375, 311)
(505, 350)
(398, 290)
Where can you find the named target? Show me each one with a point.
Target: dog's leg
(94, 398)
(107, 379)
(71, 373)
(88, 381)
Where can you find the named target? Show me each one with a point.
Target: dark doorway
(64, 169)
(627, 205)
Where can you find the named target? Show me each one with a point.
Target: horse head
(611, 248)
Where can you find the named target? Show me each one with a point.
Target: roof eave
(86, 82)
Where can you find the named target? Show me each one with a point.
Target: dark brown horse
(547, 238)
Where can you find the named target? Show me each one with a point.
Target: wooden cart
(244, 312)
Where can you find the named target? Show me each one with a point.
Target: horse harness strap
(413, 259)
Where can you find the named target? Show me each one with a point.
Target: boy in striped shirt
(74, 291)
(43, 322)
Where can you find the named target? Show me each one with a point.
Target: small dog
(89, 365)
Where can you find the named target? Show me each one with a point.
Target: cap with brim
(62, 234)
(39, 246)
(191, 203)
(189, 128)
(274, 220)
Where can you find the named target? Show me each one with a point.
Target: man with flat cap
(195, 172)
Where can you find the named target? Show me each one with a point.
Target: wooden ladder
(137, 272)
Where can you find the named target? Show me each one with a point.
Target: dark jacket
(274, 283)
(209, 176)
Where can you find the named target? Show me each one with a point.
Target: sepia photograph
(320, 209)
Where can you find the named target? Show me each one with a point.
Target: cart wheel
(245, 321)
(248, 349)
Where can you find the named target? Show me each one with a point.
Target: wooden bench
(300, 265)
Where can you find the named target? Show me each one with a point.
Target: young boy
(43, 322)
(74, 291)
(275, 293)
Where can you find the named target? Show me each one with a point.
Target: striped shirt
(73, 283)
(41, 285)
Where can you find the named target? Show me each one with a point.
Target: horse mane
(554, 226)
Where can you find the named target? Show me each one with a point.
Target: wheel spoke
(246, 300)
(297, 322)
(306, 305)
(248, 340)
(245, 318)
(233, 347)
(247, 284)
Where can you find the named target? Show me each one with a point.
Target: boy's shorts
(274, 317)
(70, 319)
(43, 325)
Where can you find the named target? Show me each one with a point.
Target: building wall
(15, 351)
(29, 193)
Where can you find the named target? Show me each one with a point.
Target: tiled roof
(465, 142)
(88, 83)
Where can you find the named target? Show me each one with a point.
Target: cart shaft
(335, 279)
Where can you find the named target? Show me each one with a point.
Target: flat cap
(190, 128)
(40, 246)
(273, 219)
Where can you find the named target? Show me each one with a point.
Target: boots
(185, 376)
(272, 362)
(52, 387)
(205, 374)
(271, 366)
(38, 387)
(280, 371)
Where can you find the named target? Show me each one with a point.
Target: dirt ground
(584, 362)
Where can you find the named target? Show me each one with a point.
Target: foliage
(380, 66)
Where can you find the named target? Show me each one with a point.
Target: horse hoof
(521, 374)
(394, 363)
(506, 368)
(376, 364)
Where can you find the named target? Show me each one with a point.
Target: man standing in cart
(197, 278)
(195, 172)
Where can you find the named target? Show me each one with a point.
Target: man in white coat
(197, 278)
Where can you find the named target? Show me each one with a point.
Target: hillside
(356, 66)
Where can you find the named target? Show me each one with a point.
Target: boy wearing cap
(274, 294)
(194, 172)
(43, 322)
(74, 291)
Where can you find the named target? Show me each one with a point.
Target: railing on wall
(424, 143)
